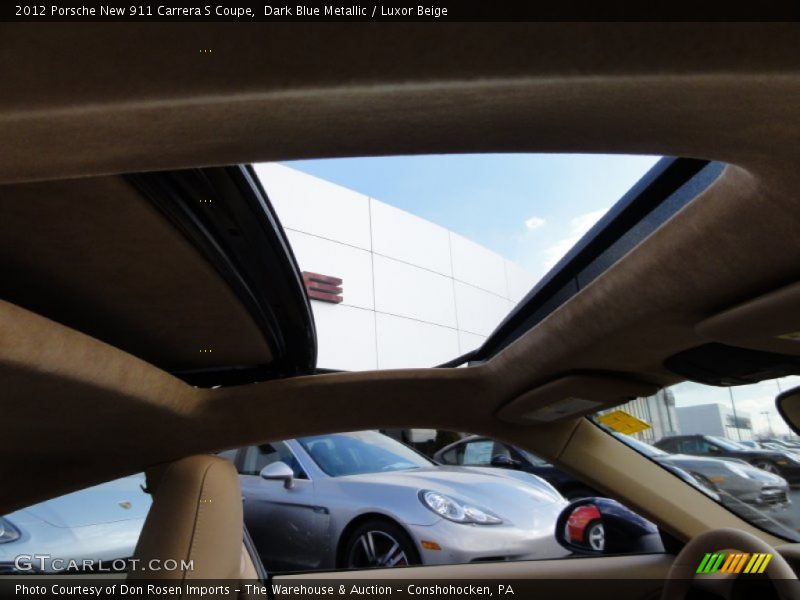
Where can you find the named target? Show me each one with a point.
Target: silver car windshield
(360, 452)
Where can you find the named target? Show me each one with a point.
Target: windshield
(700, 429)
(360, 452)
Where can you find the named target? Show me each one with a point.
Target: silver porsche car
(362, 499)
(91, 529)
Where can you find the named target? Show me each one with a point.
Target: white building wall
(712, 419)
(415, 294)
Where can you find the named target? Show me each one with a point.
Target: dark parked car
(477, 451)
(783, 444)
(773, 461)
(735, 481)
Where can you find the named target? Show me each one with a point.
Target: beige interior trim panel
(641, 566)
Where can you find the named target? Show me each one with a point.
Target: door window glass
(693, 446)
(478, 452)
(453, 457)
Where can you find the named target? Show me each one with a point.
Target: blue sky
(530, 208)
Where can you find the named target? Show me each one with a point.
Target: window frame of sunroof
(242, 237)
(664, 190)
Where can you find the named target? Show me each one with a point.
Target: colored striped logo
(719, 562)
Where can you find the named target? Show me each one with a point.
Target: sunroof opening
(411, 261)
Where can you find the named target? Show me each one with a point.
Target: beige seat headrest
(195, 520)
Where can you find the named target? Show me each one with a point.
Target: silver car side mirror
(279, 471)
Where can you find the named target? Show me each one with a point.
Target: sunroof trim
(665, 189)
(226, 214)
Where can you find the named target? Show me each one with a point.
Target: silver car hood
(477, 477)
(118, 500)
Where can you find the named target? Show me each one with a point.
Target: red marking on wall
(323, 287)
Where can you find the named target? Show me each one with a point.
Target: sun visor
(573, 396)
(770, 323)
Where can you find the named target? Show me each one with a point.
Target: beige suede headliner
(91, 100)
(94, 254)
(83, 99)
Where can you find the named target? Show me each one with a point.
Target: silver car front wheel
(379, 544)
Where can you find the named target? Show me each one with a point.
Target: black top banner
(390, 10)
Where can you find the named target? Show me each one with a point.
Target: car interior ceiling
(510, 90)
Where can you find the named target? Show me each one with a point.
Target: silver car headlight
(456, 511)
(8, 533)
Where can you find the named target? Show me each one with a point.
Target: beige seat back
(195, 521)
